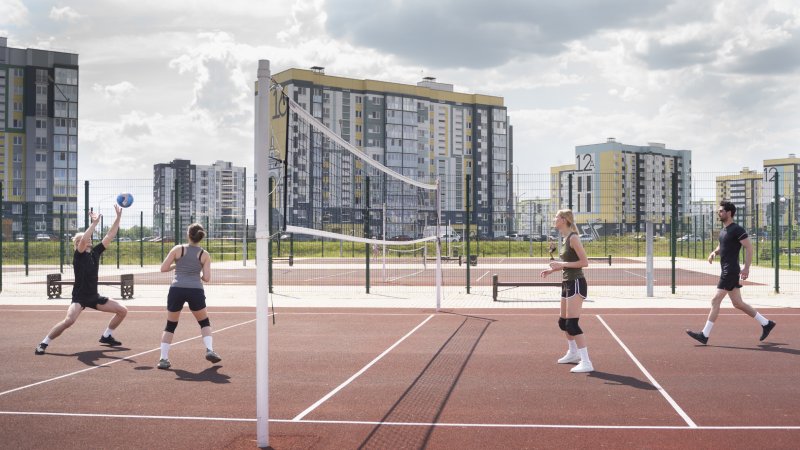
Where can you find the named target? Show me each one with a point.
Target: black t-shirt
(86, 265)
(730, 243)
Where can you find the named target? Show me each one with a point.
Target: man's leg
(119, 311)
(738, 303)
(716, 301)
(73, 312)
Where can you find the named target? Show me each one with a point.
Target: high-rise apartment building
(212, 195)
(746, 191)
(619, 187)
(424, 132)
(787, 173)
(38, 139)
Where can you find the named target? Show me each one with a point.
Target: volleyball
(125, 200)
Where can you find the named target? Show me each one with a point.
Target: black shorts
(91, 302)
(178, 296)
(577, 286)
(729, 281)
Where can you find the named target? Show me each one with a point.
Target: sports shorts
(91, 301)
(178, 296)
(729, 281)
(572, 287)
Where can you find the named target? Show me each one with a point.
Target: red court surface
(390, 379)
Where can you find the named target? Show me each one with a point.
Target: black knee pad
(572, 327)
(204, 323)
(170, 328)
(562, 323)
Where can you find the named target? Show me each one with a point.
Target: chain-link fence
(509, 232)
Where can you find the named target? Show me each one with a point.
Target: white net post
(261, 155)
(648, 226)
(383, 215)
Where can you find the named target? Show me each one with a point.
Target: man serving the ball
(86, 264)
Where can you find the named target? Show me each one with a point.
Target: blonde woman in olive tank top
(573, 290)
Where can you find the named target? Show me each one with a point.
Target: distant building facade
(618, 187)
(424, 132)
(38, 140)
(212, 195)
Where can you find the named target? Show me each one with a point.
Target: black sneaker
(109, 341)
(767, 328)
(41, 348)
(699, 337)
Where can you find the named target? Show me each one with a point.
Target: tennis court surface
(395, 378)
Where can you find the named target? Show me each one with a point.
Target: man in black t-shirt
(731, 240)
(85, 264)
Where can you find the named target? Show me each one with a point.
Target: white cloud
(13, 12)
(115, 93)
(64, 13)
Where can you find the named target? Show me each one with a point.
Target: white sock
(761, 319)
(164, 350)
(207, 341)
(46, 340)
(573, 347)
(707, 328)
(584, 354)
(108, 332)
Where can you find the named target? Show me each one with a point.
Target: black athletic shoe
(699, 337)
(767, 328)
(110, 341)
(41, 348)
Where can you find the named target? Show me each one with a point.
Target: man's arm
(114, 228)
(86, 238)
(748, 257)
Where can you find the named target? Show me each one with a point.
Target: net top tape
(348, 238)
(295, 107)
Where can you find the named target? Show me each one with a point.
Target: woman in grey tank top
(192, 266)
(573, 290)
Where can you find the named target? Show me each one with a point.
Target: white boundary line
(127, 358)
(330, 394)
(405, 424)
(330, 276)
(406, 276)
(653, 381)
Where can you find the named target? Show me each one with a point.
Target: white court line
(334, 275)
(406, 276)
(479, 279)
(357, 374)
(653, 381)
(405, 424)
(636, 274)
(127, 358)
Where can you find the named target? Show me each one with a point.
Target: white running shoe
(583, 367)
(570, 358)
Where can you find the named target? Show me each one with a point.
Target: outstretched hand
(95, 217)
(118, 209)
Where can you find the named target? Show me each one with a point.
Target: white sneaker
(583, 367)
(570, 358)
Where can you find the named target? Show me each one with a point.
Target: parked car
(42, 237)
(125, 239)
(538, 238)
(516, 237)
(20, 237)
(400, 237)
(690, 238)
(453, 237)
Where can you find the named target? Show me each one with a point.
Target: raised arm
(86, 238)
(114, 228)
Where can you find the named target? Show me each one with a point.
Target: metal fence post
(776, 251)
(61, 240)
(25, 235)
(86, 204)
(469, 179)
(141, 238)
(2, 195)
(366, 232)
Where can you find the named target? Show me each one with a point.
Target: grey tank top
(188, 268)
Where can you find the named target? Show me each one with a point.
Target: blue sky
(164, 80)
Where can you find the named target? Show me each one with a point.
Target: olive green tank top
(568, 255)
